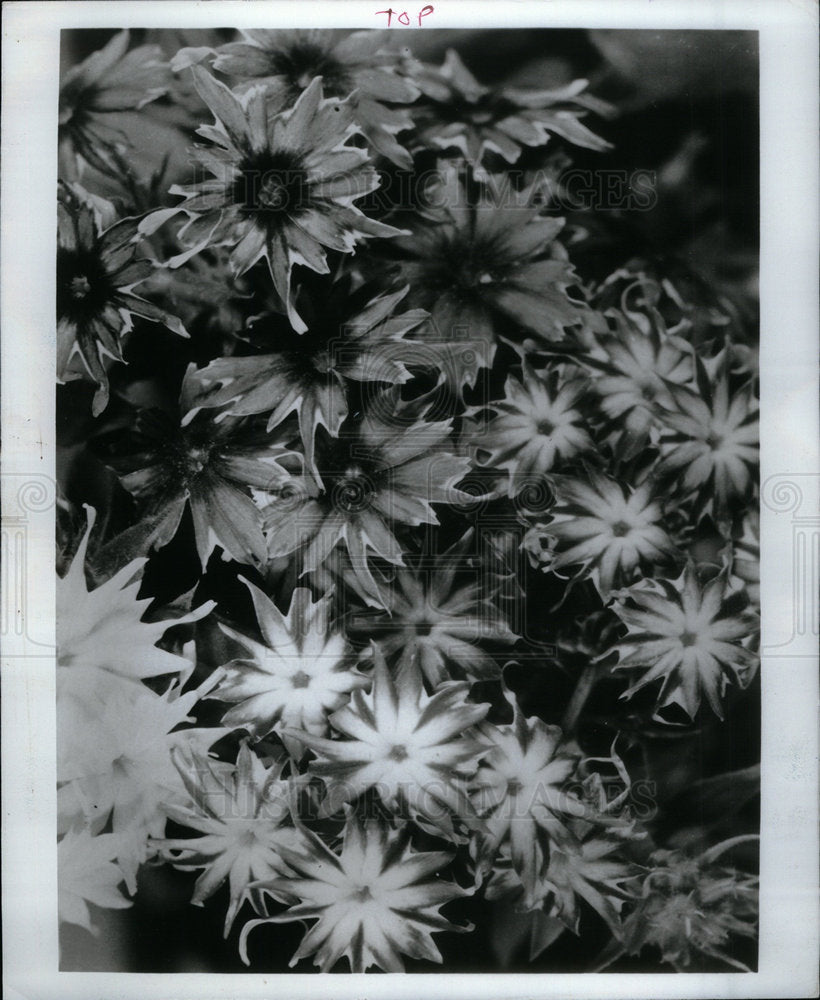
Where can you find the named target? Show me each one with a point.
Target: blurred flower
(631, 366)
(493, 267)
(711, 438)
(457, 111)
(360, 65)
(96, 272)
(241, 811)
(284, 186)
(537, 425)
(114, 762)
(436, 628)
(93, 92)
(206, 465)
(746, 556)
(86, 873)
(296, 678)
(372, 902)
(308, 376)
(691, 908)
(386, 468)
(412, 749)
(608, 529)
(587, 869)
(102, 629)
(519, 792)
(689, 635)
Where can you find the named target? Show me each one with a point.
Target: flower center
(196, 460)
(79, 287)
(300, 679)
(362, 894)
(398, 752)
(545, 427)
(689, 639)
(353, 491)
(715, 441)
(272, 184)
(621, 528)
(514, 786)
(423, 628)
(301, 62)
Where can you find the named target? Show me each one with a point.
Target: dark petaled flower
(691, 908)
(492, 267)
(414, 750)
(456, 111)
(608, 530)
(307, 373)
(285, 183)
(437, 627)
(373, 901)
(207, 466)
(692, 637)
(537, 425)
(711, 436)
(385, 469)
(96, 272)
(360, 64)
(92, 94)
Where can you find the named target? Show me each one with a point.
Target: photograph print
(407, 500)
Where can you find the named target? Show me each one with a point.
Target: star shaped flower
(437, 627)
(456, 111)
(242, 813)
(412, 749)
(361, 64)
(295, 678)
(538, 425)
(347, 339)
(607, 529)
(102, 630)
(519, 791)
(710, 441)
(491, 267)
(381, 472)
(97, 270)
(691, 636)
(373, 901)
(284, 183)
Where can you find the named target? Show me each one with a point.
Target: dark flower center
(353, 490)
(621, 528)
(689, 639)
(271, 186)
(301, 62)
(83, 286)
(545, 427)
(423, 628)
(398, 752)
(300, 679)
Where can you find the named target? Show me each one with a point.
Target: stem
(590, 676)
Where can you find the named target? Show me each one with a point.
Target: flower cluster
(403, 551)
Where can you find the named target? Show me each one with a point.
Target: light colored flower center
(273, 192)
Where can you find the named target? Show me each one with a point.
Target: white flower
(87, 874)
(296, 678)
(372, 902)
(102, 629)
(240, 810)
(689, 636)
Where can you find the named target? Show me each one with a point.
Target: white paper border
(789, 522)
